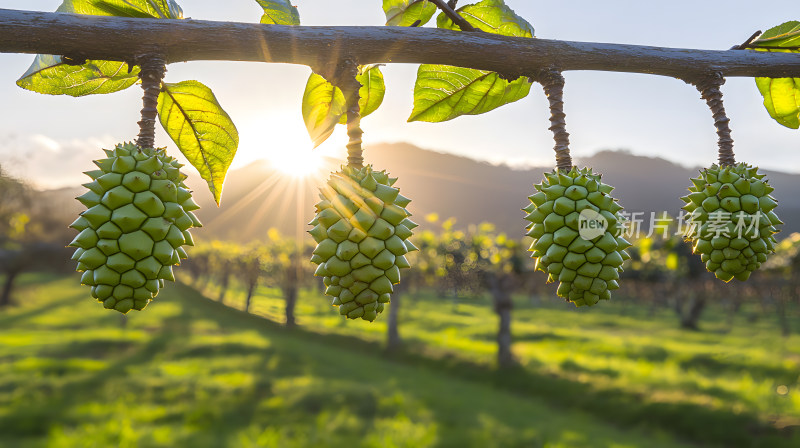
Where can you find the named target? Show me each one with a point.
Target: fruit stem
(350, 88)
(553, 83)
(709, 87)
(449, 10)
(153, 68)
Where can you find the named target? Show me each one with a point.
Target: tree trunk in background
(501, 287)
(251, 288)
(691, 316)
(290, 294)
(224, 285)
(780, 307)
(8, 286)
(393, 340)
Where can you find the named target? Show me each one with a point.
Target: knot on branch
(346, 74)
(153, 68)
(709, 87)
(553, 83)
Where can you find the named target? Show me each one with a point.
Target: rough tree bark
(123, 39)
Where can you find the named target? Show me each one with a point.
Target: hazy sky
(52, 138)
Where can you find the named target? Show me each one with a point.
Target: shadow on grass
(49, 403)
(711, 365)
(223, 412)
(572, 366)
(542, 336)
(622, 409)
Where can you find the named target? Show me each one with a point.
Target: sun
(298, 161)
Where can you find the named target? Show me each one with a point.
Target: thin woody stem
(709, 87)
(454, 16)
(553, 83)
(350, 88)
(153, 68)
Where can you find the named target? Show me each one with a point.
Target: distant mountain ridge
(258, 197)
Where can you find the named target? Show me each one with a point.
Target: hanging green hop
(731, 220)
(137, 221)
(362, 230)
(574, 223)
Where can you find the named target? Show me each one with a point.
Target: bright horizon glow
(296, 161)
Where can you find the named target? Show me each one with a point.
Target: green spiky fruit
(731, 220)
(138, 216)
(575, 224)
(362, 230)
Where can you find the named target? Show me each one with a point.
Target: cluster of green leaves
(188, 111)
(781, 95)
(786, 259)
(441, 92)
(460, 260)
(324, 104)
(277, 261)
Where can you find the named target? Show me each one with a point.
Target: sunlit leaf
(408, 12)
(203, 131)
(154, 9)
(323, 105)
(782, 99)
(279, 12)
(673, 261)
(372, 91)
(50, 75)
(781, 95)
(491, 16)
(443, 92)
(784, 35)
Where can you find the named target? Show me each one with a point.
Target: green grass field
(191, 372)
(736, 383)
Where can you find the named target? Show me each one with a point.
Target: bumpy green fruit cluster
(362, 230)
(731, 220)
(138, 217)
(574, 225)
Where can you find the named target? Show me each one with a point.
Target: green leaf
(372, 91)
(491, 16)
(784, 35)
(50, 75)
(781, 95)
(203, 131)
(323, 105)
(408, 12)
(782, 99)
(443, 92)
(279, 12)
(153, 9)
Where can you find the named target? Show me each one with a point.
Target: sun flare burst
(297, 162)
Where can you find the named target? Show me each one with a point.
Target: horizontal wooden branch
(122, 39)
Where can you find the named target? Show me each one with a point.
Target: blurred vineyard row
(476, 262)
(480, 262)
